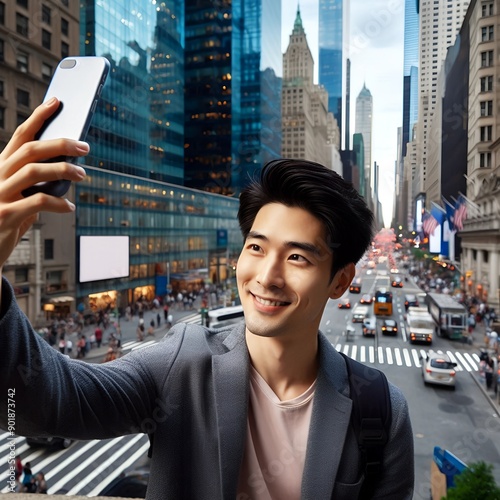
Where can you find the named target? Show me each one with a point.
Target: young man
(256, 411)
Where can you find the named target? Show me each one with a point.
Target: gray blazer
(190, 392)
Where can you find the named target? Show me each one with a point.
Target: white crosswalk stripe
(192, 319)
(405, 356)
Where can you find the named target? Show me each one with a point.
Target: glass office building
(410, 72)
(179, 238)
(138, 128)
(330, 42)
(232, 89)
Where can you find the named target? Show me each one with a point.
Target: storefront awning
(60, 300)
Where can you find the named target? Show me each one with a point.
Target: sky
(376, 53)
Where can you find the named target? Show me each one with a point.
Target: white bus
(223, 316)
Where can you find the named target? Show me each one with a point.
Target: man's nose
(270, 272)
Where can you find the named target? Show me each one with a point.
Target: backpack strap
(371, 418)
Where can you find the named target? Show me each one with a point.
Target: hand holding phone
(77, 83)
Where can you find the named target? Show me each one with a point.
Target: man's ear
(342, 280)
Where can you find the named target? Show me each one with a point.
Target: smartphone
(77, 83)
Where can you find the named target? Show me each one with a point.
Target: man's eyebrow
(306, 247)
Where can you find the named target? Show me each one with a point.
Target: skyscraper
(308, 126)
(363, 126)
(233, 121)
(439, 25)
(139, 127)
(332, 33)
(410, 72)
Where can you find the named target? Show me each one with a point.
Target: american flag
(460, 213)
(429, 223)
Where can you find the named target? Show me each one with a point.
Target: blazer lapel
(329, 424)
(231, 386)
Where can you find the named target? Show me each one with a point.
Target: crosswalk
(400, 356)
(405, 356)
(132, 345)
(85, 468)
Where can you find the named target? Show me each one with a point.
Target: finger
(27, 130)
(37, 151)
(34, 173)
(21, 212)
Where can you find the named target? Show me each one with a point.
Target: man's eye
(298, 258)
(254, 247)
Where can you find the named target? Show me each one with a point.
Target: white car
(370, 326)
(437, 368)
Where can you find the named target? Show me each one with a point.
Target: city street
(464, 421)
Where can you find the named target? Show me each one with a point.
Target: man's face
(283, 273)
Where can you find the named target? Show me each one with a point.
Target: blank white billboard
(103, 257)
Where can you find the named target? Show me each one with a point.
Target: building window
(486, 108)
(46, 39)
(485, 133)
(21, 275)
(46, 72)
(487, 83)
(48, 249)
(1, 88)
(64, 50)
(2, 13)
(484, 160)
(46, 14)
(2, 117)
(487, 9)
(22, 24)
(486, 33)
(1, 50)
(21, 118)
(23, 3)
(486, 58)
(64, 26)
(22, 62)
(65, 2)
(23, 98)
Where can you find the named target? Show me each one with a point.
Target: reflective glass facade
(138, 128)
(410, 68)
(136, 167)
(330, 42)
(233, 116)
(165, 223)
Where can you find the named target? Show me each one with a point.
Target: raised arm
(21, 167)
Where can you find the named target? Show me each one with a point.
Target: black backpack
(371, 418)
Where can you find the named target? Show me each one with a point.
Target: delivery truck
(449, 315)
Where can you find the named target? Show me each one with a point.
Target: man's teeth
(265, 302)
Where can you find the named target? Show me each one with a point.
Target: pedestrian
(165, 312)
(28, 479)
(140, 332)
(62, 344)
(41, 484)
(170, 321)
(18, 471)
(98, 336)
(110, 355)
(81, 347)
(471, 322)
(151, 328)
(259, 410)
(158, 320)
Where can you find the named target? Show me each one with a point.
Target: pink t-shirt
(276, 443)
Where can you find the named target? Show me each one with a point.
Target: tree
(475, 482)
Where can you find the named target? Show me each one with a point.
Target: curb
(486, 395)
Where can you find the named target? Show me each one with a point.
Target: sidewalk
(129, 331)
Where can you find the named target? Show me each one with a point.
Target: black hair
(323, 193)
